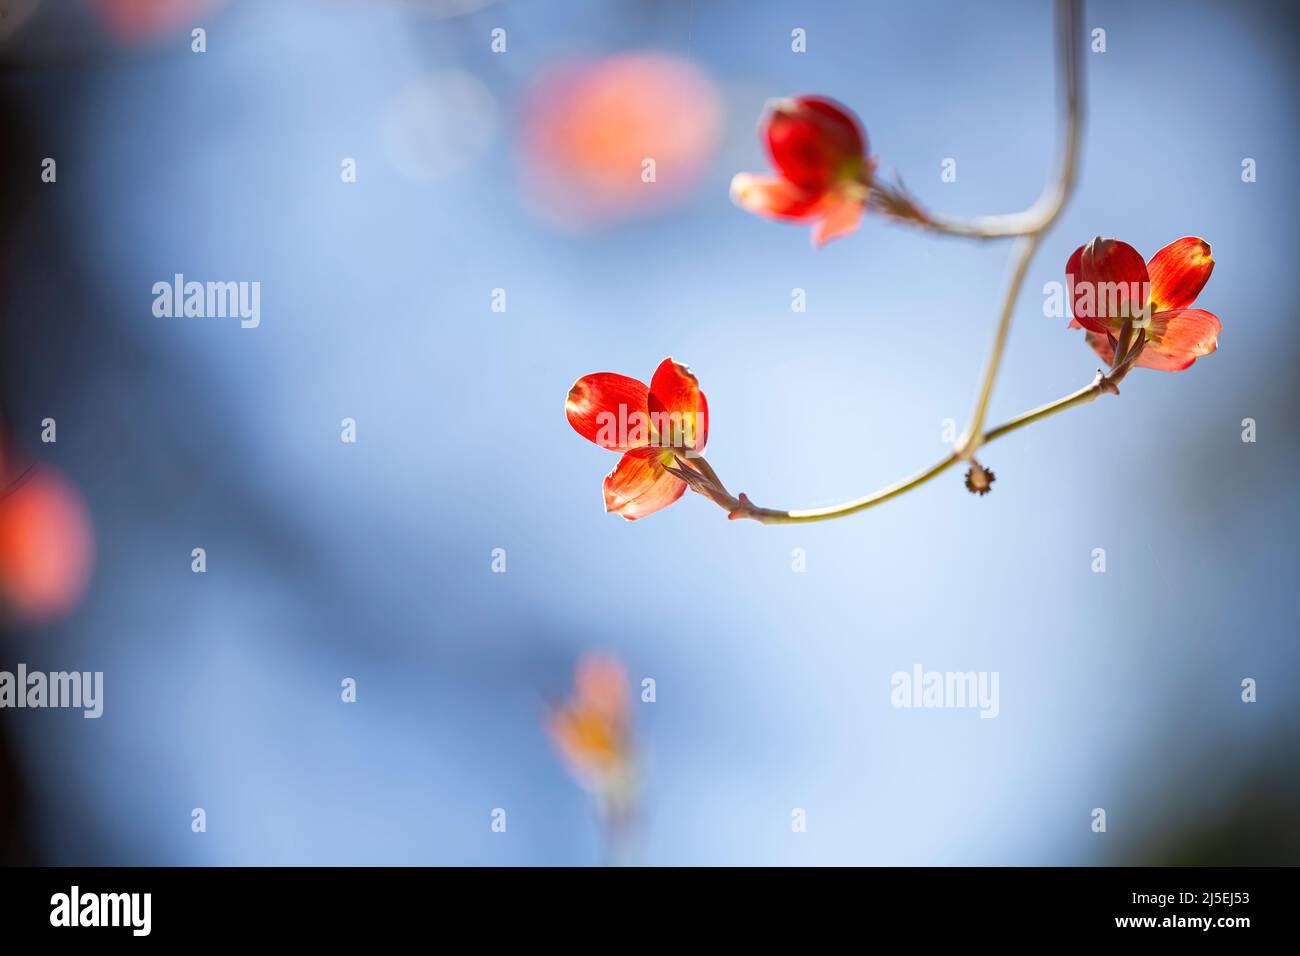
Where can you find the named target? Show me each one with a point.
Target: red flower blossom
(820, 153)
(1109, 285)
(652, 426)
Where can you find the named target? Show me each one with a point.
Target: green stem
(1101, 385)
(1069, 16)
(970, 441)
(768, 516)
(1083, 396)
(1030, 226)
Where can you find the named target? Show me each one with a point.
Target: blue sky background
(1118, 690)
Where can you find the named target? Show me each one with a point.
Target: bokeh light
(45, 546)
(590, 127)
(149, 21)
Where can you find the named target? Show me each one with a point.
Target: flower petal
(814, 141)
(1179, 272)
(774, 198)
(678, 409)
(640, 485)
(1110, 286)
(610, 409)
(1080, 301)
(1177, 339)
(841, 218)
(1110, 260)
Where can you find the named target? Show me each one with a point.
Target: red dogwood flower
(657, 427)
(1109, 285)
(820, 152)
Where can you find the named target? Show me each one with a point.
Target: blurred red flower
(591, 729)
(651, 425)
(1109, 284)
(45, 545)
(820, 153)
(590, 128)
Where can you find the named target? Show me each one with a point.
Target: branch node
(979, 480)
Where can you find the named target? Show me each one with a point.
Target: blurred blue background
(327, 560)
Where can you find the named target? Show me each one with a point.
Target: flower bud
(815, 142)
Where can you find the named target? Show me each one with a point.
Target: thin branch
(1026, 246)
(895, 201)
(1103, 384)
(1069, 20)
(1030, 226)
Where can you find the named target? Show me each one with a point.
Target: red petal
(610, 409)
(1109, 260)
(1080, 302)
(1112, 284)
(639, 485)
(1177, 339)
(1150, 358)
(1179, 272)
(841, 219)
(774, 198)
(814, 141)
(678, 409)
(1073, 270)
